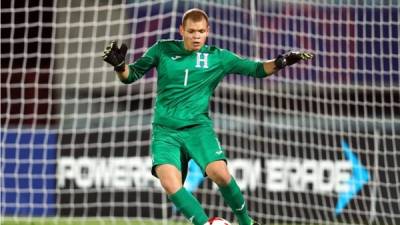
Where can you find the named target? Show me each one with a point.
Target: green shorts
(177, 147)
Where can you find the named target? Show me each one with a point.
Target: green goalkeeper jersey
(187, 79)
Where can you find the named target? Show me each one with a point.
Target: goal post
(316, 143)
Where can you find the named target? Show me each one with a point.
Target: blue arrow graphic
(357, 180)
(194, 178)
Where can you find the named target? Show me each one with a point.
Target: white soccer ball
(217, 221)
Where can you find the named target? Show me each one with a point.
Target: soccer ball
(217, 221)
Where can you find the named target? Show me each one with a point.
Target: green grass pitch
(82, 221)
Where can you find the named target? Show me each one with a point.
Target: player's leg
(168, 166)
(218, 172)
(203, 145)
(171, 180)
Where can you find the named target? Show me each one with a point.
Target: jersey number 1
(186, 77)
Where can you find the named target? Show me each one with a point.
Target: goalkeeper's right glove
(116, 56)
(290, 58)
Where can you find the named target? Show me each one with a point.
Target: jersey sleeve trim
(260, 72)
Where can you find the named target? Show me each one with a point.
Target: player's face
(194, 34)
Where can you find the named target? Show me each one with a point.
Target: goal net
(317, 143)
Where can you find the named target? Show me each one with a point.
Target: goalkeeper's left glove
(116, 56)
(290, 58)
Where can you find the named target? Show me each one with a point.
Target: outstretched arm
(128, 73)
(283, 60)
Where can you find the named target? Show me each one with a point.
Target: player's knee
(218, 172)
(170, 178)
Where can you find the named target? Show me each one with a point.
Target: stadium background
(51, 110)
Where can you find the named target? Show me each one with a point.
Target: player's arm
(128, 73)
(233, 63)
(270, 67)
(283, 60)
(124, 74)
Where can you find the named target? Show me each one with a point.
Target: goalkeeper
(188, 72)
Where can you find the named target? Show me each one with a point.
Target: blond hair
(194, 14)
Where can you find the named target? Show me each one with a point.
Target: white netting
(317, 143)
